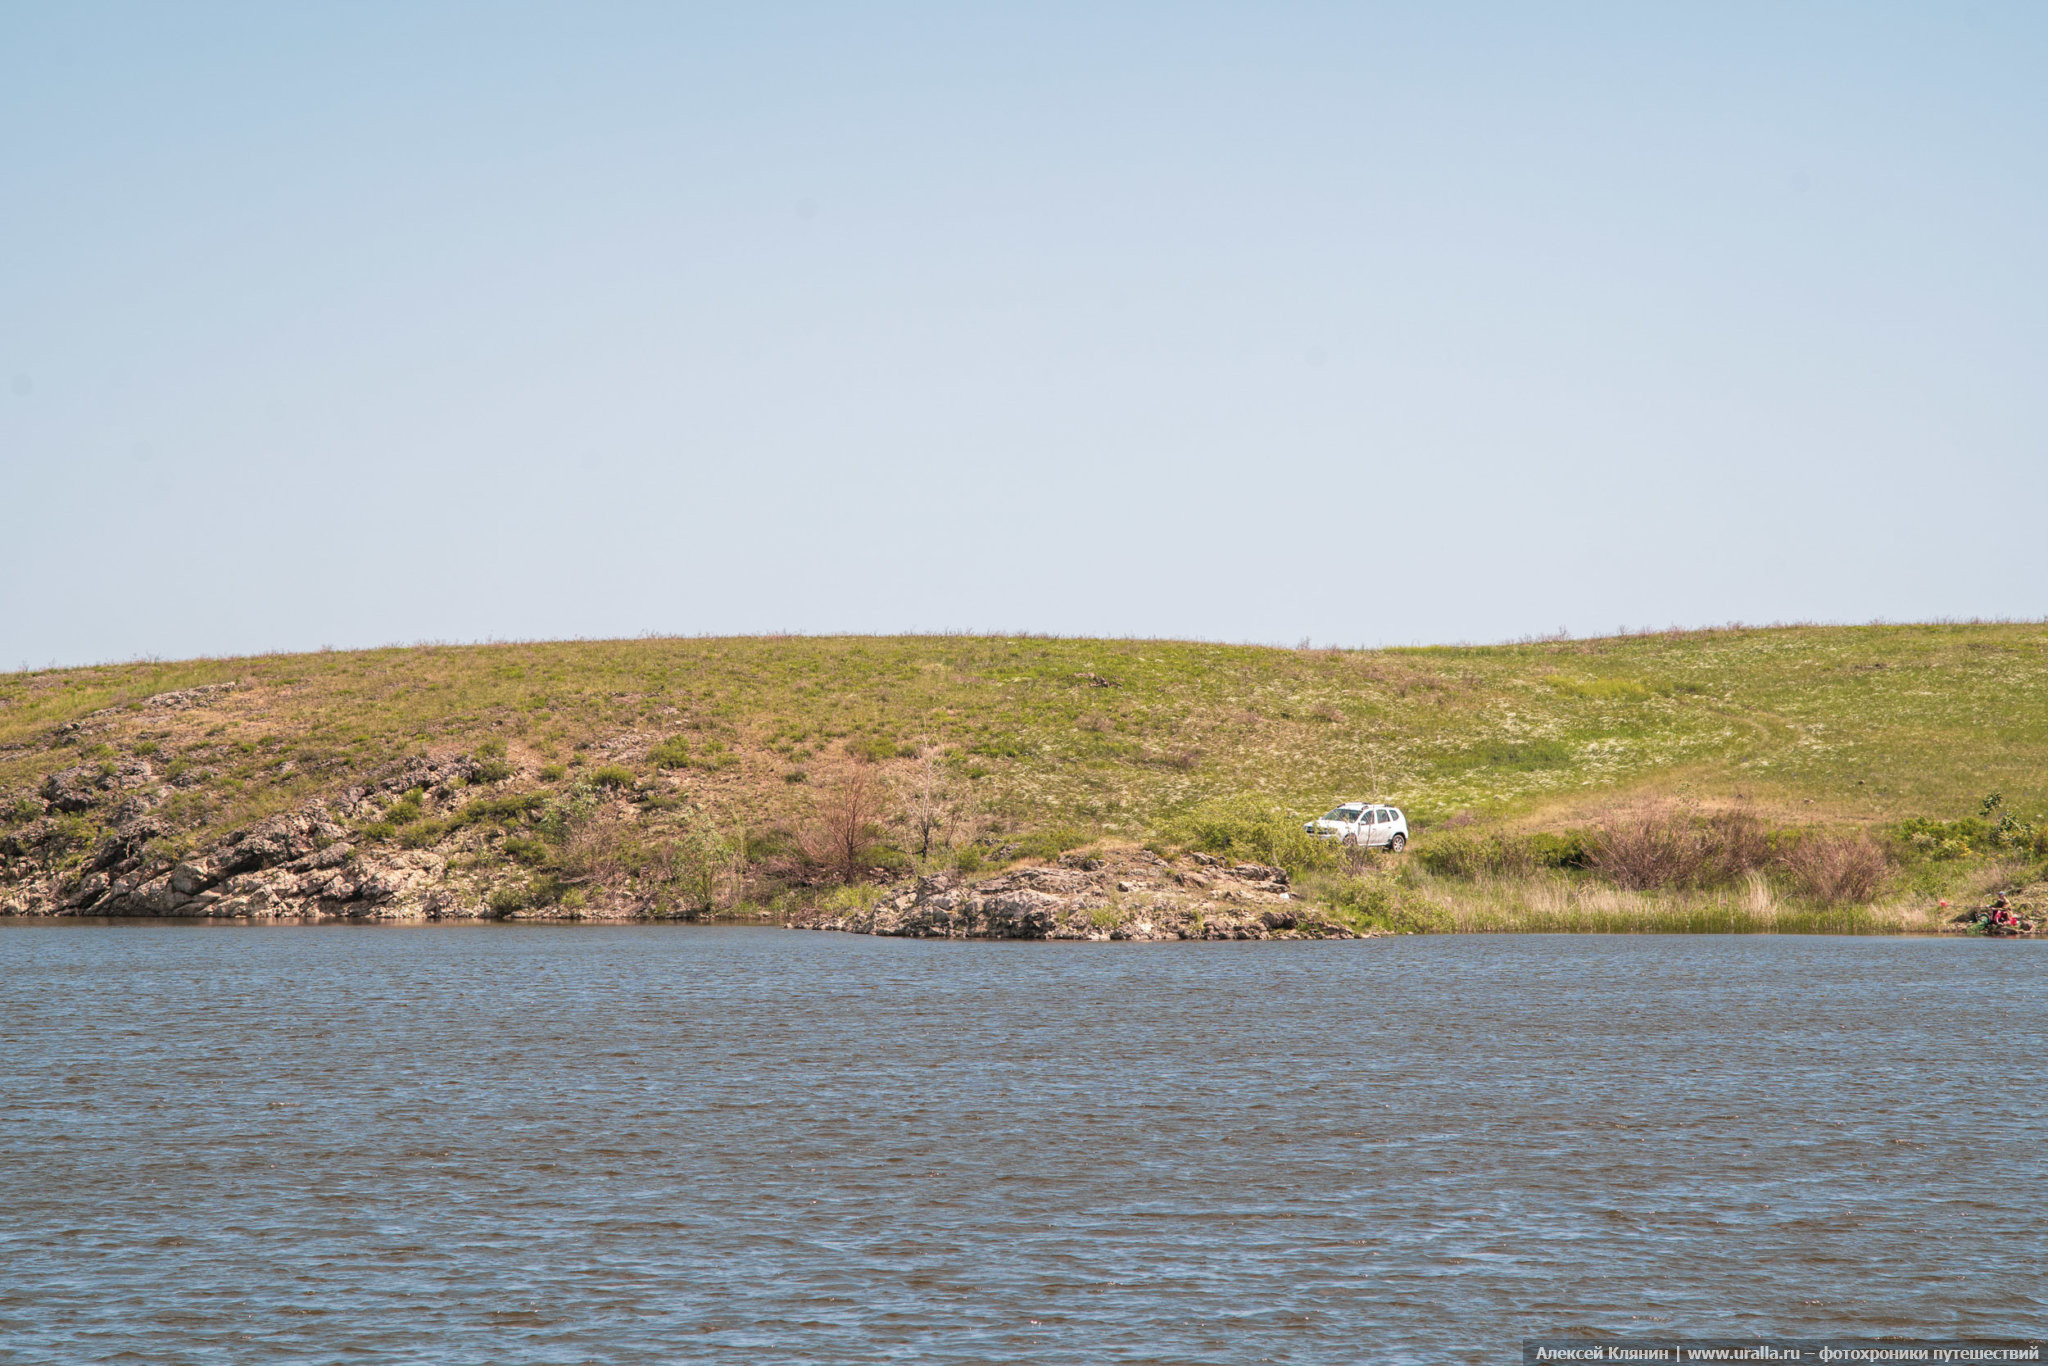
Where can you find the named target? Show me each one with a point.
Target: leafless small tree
(842, 828)
(927, 802)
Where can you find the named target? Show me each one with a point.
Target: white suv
(1363, 825)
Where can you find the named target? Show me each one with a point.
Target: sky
(346, 325)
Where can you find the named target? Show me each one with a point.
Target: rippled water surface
(566, 1144)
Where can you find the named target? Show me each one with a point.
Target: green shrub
(1993, 830)
(890, 859)
(1470, 854)
(508, 897)
(699, 866)
(1567, 850)
(526, 849)
(968, 858)
(1922, 837)
(612, 776)
(673, 752)
(763, 845)
(146, 748)
(1248, 830)
(499, 810)
(71, 832)
(553, 773)
(406, 809)
(423, 834)
(542, 890)
(850, 896)
(1373, 903)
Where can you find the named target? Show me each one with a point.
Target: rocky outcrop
(1119, 896)
(293, 865)
(443, 778)
(298, 864)
(188, 697)
(82, 788)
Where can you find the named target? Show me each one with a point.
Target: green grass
(1046, 743)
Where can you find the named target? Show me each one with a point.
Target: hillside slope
(1006, 740)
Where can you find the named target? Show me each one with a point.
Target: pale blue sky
(353, 324)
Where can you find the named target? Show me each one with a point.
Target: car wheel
(1351, 841)
(1397, 843)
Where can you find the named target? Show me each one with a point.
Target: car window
(1384, 815)
(1371, 816)
(1395, 814)
(1343, 813)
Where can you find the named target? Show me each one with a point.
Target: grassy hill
(1024, 744)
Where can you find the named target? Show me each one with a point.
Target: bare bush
(1661, 844)
(602, 849)
(843, 825)
(1649, 846)
(1737, 844)
(1837, 869)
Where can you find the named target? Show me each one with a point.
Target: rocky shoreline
(303, 865)
(1136, 896)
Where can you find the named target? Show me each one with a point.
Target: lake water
(663, 1143)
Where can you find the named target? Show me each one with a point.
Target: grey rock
(278, 840)
(1120, 899)
(190, 879)
(72, 790)
(189, 697)
(1023, 914)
